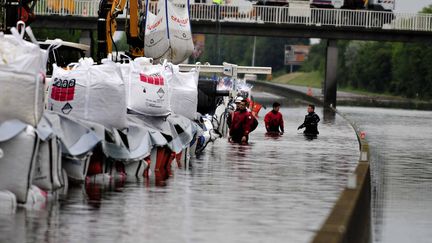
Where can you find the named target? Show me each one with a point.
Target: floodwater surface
(276, 189)
(401, 170)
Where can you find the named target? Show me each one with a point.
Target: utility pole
(253, 52)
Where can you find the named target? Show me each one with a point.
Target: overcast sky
(411, 5)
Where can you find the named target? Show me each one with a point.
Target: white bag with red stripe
(94, 93)
(148, 89)
(156, 41)
(179, 31)
(168, 32)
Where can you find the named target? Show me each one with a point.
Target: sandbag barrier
(77, 136)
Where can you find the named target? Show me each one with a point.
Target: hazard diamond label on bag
(155, 79)
(63, 89)
(161, 93)
(66, 108)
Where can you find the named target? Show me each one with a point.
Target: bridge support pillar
(86, 38)
(330, 82)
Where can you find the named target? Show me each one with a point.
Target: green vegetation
(397, 69)
(310, 79)
(238, 50)
(66, 35)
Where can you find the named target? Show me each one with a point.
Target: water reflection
(329, 115)
(401, 172)
(275, 189)
(310, 137)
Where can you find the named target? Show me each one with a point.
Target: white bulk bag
(76, 167)
(91, 92)
(179, 32)
(156, 40)
(168, 33)
(148, 89)
(18, 148)
(48, 169)
(22, 75)
(8, 202)
(183, 91)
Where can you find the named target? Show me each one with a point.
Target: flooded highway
(276, 189)
(401, 172)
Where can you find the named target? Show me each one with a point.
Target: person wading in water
(274, 121)
(241, 124)
(310, 122)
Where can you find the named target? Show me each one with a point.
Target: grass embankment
(315, 80)
(312, 79)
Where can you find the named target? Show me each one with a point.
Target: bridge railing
(265, 14)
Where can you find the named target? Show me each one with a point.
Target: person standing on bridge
(241, 124)
(218, 3)
(274, 121)
(310, 122)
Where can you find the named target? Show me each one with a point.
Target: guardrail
(265, 14)
(349, 219)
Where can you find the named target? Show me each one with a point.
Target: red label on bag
(63, 90)
(155, 79)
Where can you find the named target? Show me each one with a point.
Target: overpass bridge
(295, 22)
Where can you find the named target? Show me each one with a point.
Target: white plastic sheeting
(76, 138)
(90, 92)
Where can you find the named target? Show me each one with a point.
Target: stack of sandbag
(18, 149)
(148, 88)
(183, 90)
(91, 92)
(168, 32)
(22, 75)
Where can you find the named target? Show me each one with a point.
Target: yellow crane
(109, 10)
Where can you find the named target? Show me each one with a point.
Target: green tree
(238, 49)
(66, 35)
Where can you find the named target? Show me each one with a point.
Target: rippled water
(277, 189)
(401, 146)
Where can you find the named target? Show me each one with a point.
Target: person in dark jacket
(274, 121)
(310, 122)
(241, 124)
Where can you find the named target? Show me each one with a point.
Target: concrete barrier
(349, 220)
(282, 90)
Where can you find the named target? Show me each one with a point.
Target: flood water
(276, 189)
(401, 166)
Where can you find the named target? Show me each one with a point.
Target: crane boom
(109, 10)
